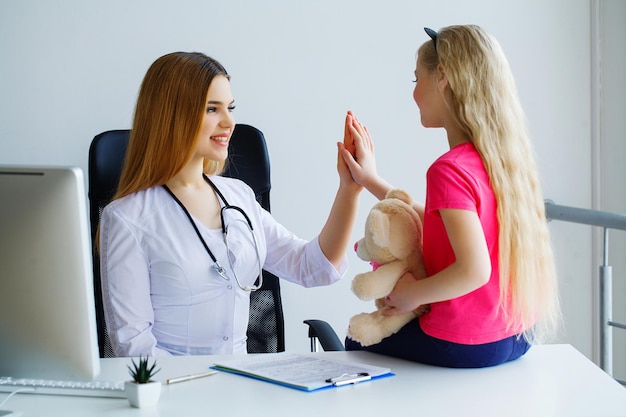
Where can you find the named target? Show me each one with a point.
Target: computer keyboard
(53, 387)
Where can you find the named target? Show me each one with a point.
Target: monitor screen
(47, 308)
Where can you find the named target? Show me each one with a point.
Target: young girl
(171, 284)
(491, 285)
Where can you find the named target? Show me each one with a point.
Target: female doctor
(171, 283)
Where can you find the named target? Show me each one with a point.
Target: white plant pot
(142, 395)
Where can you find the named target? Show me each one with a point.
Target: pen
(346, 379)
(190, 377)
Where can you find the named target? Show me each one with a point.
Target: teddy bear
(393, 245)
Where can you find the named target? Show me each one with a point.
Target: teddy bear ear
(379, 226)
(404, 230)
(400, 195)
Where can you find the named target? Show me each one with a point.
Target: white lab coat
(161, 292)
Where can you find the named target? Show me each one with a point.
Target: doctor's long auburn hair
(482, 98)
(168, 115)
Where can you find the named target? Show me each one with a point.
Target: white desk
(552, 380)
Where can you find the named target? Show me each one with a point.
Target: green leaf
(142, 372)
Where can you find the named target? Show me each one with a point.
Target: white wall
(71, 69)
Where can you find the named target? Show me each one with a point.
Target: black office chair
(248, 161)
(321, 333)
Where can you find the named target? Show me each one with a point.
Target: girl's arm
(360, 159)
(470, 271)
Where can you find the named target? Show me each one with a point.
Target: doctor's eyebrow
(218, 102)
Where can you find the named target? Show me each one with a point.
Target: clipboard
(302, 372)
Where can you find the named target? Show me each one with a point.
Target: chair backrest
(248, 161)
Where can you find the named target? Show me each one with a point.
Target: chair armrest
(321, 330)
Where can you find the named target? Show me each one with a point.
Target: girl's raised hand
(360, 151)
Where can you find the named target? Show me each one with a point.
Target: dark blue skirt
(413, 344)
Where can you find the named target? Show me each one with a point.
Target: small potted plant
(142, 391)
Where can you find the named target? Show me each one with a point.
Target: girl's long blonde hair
(482, 99)
(168, 114)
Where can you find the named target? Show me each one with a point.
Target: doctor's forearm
(336, 233)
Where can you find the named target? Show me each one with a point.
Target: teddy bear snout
(361, 250)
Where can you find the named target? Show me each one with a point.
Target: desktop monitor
(47, 308)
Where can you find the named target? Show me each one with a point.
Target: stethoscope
(216, 265)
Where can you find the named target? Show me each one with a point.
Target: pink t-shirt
(458, 180)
